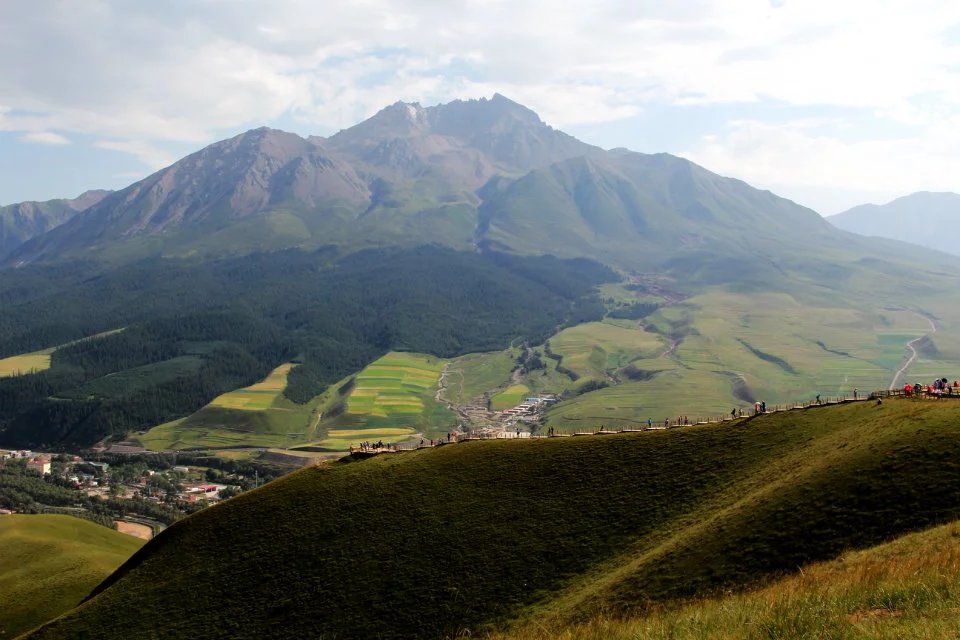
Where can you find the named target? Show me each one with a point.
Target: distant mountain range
(928, 219)
(20, 222)
(485, 174)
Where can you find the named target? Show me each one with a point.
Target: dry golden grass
(25, 363)
(908, 588)
(259, 396)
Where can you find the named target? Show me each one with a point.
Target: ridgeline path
(913, 354)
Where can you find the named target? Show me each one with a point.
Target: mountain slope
(407, 175)
(901, 589)
(468, 174)
(20, 222)
(431, 543)
(928, 219)
(196, 330)
(642, 210)
(228, 183)
(485, 173)
(48, 563)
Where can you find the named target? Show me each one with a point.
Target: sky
(829, 103)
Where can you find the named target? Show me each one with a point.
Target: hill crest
(434, 543)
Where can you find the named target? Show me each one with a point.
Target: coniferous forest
(192, 331)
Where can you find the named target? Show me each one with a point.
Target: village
(141, 499)
(520, 421)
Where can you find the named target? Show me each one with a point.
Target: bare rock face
(21, 222)
(468, 174)
(387, 170)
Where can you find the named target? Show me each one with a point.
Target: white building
(39, 465)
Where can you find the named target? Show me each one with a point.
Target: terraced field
(257, 397)
(594, 349)
(392, 399)
(395, 385)
(474, 374)
(255, 416)
(732, 349)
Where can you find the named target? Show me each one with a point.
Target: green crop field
(510, 397)
(257, 397)
(734, 349)
(472, 375)
(255, 416)
(594, 349)
(546, 532)
(395, 385)
(392, 399)
(48, 563)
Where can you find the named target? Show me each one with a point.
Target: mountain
(642, 209)
(477, 173)
(20, 222)
(928, 219)
(407, 175)
(460, 540)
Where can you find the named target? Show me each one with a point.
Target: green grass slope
(391, 399)
(48, 563)
(906, 588)
(469, 536)
(254, 416)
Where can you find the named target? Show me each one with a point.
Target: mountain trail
(913, 353)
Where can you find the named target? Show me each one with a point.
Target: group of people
(374, 446)
(939, 387)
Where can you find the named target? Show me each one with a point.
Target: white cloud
(44, 137)
(832, 175)
(145, 152)
(142, 74)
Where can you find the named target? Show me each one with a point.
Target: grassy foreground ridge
(907, 588)
(49, 563)
(478, 535)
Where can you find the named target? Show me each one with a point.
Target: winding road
(913, 354)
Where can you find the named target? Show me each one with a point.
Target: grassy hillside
(470, 376)
(729, 349)
(243, 317)
(257, 415)
(37, 361)
(595, 349)
(432, 542)
(906, 588)
(391, 399)
(48, 563)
